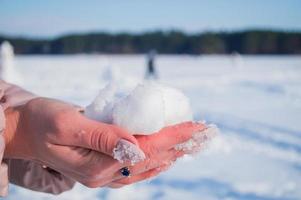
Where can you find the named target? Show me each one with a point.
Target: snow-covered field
(256, 102)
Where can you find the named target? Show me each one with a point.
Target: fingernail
(126, 151)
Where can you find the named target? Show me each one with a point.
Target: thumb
(110, 140)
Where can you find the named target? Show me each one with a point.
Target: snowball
(147, 109)
(141, 112)
(176, 106)
(101, 108)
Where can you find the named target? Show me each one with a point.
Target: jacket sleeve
(25, 173)
(3, 166)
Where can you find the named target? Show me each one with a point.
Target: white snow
(145, 110)
(257, 107)
(199, 140)
(126, 151)
(7, 66)
(101, 108)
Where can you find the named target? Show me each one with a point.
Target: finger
(140, 177)
(163, 158)
(170, 136)
(134, 179)
(83, 164)
(102, 137)
(100, 175)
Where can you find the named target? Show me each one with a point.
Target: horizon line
(69, 33)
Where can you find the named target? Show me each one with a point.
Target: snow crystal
(127, 152)
(199, 140)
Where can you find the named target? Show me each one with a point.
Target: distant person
(237, 60)
(151, 72)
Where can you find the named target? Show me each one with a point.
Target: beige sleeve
(3, 166)
(33, 176)
(25, 173)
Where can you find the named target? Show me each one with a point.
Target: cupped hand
(57, 135)
(160, 151)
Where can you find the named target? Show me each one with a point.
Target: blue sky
(44, 18)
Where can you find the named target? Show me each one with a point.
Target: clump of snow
(128, 152)
(141, 112)
(101, 108)
(199, 140)
(146, 110)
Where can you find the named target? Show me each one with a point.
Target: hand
(25, 173)
(56, 135)
(160, 151)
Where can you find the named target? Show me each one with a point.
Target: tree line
(164, 42)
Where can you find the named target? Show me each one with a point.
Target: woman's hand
(56, 135)
(160, 151)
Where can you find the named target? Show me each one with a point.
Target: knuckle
(100, 138)
(32, 104)
(148, 148)
(60, 120)
(62, 115)
(151, 151)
